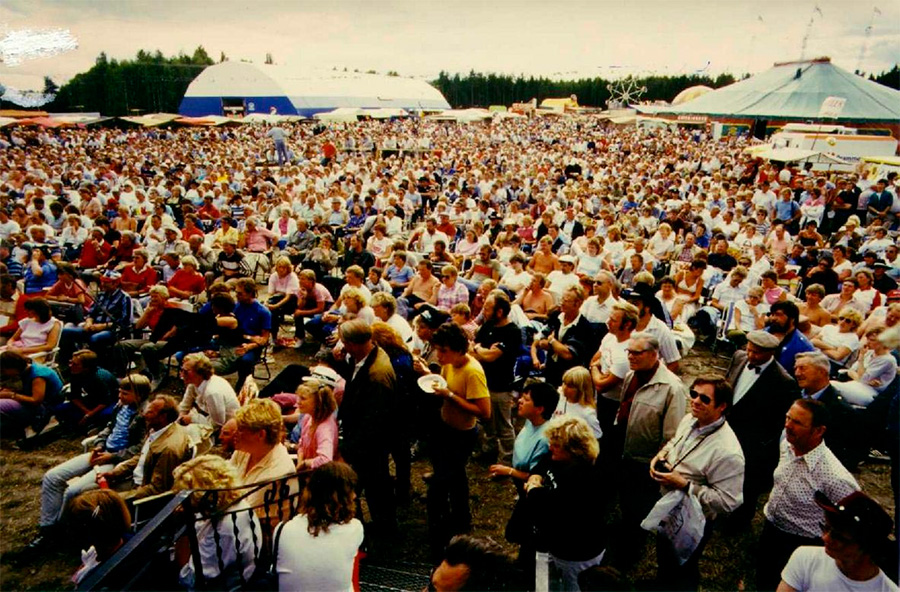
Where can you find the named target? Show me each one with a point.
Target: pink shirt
(289, 284)
(256, 241)
(321, 447)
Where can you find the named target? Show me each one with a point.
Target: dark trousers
(775, 548)
(373, 470)
(448, 491)
(278, 313)
(638, 493)
(286, 381)
(672, 575)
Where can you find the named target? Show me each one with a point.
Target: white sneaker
(298, 344)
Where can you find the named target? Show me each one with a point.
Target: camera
(661, 466)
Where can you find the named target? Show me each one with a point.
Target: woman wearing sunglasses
(704, 459)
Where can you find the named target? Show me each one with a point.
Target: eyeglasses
(705, 399)
(636, 352)
(841, 319)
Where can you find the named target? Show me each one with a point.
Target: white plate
(428, 382)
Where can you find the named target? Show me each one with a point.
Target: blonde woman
(228, 540)
(259, 454)
(319, 430)
(839, 341)
(570, 529)
(872, 373)
(577, 398)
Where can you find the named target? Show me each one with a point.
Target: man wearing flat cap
(108, 318)
(763, 392)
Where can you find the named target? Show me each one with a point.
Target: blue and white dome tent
(252, 88)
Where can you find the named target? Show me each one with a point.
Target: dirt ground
(728, 561)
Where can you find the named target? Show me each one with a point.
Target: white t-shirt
(833, 337)
(318, 564)
(402, 327)
(613, 360)
(558, 282)
(588, 414)
(811, 570)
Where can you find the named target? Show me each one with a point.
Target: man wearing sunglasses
(704, 459)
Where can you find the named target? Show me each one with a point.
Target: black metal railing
(144, 562)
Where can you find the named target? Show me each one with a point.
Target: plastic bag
(679, 517)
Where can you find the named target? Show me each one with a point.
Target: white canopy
(341, 115)
(386, 113)
(462, 115)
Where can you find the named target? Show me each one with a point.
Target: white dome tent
(255, 88)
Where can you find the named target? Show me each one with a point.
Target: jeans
(76, 337)
(229, 361)
(498, 430)
(55, 490)
(281, 152)
(319, 329)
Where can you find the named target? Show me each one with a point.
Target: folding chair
(48, 358)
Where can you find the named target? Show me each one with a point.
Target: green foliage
(890, 78)
(148, 83)
(482, 90)
(50, 87)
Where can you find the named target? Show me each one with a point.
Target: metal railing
(144, 562)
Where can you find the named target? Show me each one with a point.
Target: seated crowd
(531, 316)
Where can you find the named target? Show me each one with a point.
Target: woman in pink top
(284, 287)
(318, 425)
(772, 291)
(37, 333)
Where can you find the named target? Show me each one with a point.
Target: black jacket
(758, 418)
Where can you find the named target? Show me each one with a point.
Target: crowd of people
(519, 294)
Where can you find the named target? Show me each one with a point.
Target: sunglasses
(705, 399)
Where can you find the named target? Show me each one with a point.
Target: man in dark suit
(570, 226)
(763, 392)
(367, 411)
(844, 436)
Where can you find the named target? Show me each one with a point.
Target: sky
(419, 38)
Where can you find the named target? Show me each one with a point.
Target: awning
(767, 152)
(208, 121)
(151, 119)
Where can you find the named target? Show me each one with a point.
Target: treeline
(482, 90)
(890, 78)
(150, 83)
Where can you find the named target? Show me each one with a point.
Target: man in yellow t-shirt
(466, 399)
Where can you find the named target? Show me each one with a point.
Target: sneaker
(298, 343)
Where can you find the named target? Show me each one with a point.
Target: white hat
(323, 374)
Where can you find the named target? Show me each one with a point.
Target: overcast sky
(562, 39)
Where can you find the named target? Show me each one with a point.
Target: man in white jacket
(704, 459)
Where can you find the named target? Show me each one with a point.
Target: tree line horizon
(152, 83)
